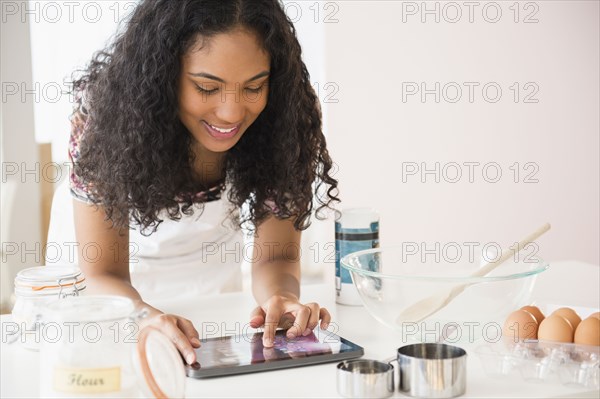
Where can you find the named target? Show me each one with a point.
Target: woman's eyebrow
(213, 77)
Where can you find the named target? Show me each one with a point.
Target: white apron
(198, 255)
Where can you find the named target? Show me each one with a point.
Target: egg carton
(542, 361)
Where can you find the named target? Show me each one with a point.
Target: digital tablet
(245, 353)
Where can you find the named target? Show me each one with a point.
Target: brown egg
(536, 312)
(520, 325)
(570, 315)
(596, 315)
(588, 332)
(556, 328)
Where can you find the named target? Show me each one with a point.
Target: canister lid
(158, 365)
(90, 308)
(43, 280)
(357, 218)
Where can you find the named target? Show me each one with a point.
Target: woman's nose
(231, 108)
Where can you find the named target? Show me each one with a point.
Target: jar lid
(90, 308)
(357, 218)
(46, 280)
(158, 365)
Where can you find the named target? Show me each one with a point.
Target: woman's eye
(205, 91)
(211, 91)
(254, 89)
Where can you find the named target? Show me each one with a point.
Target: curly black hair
(136, 153)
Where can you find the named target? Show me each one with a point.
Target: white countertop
(20, 367)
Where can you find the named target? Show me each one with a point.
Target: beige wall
(373, 130)
(20, 204)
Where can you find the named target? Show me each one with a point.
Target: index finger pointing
(272, 318)
(325, 318)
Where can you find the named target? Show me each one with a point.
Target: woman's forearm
(276, 277)
(109, 284)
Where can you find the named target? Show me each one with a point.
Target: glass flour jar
(37, 286)
(91, 347)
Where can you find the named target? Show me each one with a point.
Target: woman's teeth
(223, 130)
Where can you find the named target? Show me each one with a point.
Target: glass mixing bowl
(389, 282)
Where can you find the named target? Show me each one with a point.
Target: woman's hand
(180, 330)
(287, 312)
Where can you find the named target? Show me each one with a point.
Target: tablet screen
(245, 353)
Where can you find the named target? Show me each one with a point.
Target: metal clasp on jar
(62, 285)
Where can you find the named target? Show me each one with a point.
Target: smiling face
(222, 89)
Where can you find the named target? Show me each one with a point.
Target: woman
(197, 108)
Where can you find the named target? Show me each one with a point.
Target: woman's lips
(221, 133)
